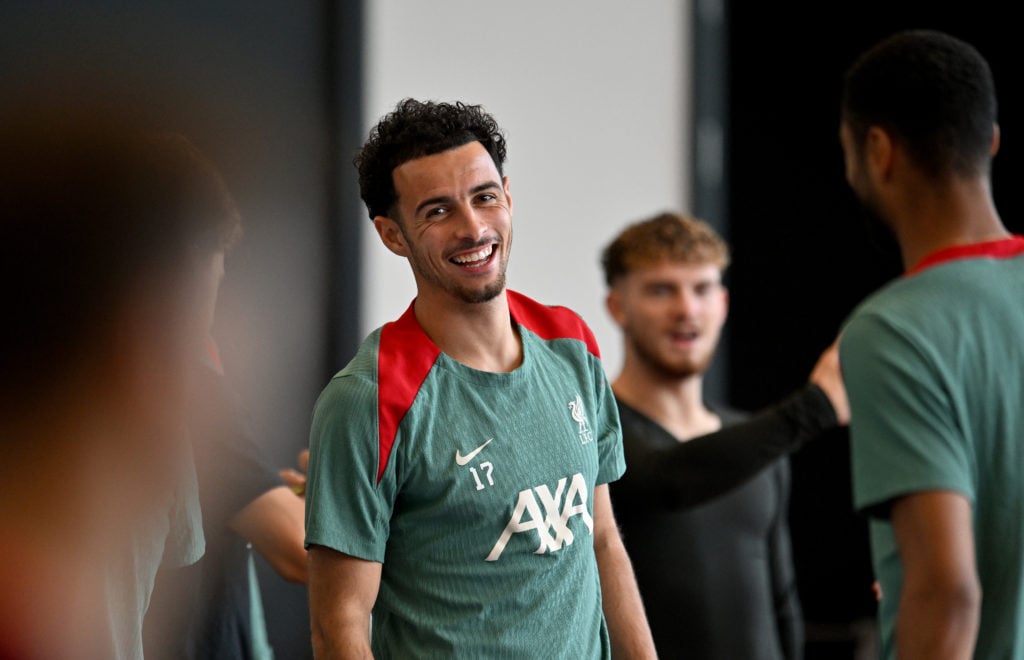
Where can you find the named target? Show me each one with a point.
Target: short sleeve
(904, 436)
(612, 462)
(347, 508)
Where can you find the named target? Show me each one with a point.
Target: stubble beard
(468, 295)
(666, 370)
(477, 296)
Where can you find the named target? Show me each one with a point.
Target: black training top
(705, 525)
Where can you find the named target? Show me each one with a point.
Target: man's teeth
(479, 255)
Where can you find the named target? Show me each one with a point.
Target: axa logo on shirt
(547, 514)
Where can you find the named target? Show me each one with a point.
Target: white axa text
(551, 525)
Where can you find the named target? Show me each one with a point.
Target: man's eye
(436, 212)
(487, 197)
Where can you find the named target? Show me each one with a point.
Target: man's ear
(508, 192)
(391, 235)
(995, 140)
(613, 301)
(879, 153)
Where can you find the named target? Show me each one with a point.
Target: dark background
(802, 256)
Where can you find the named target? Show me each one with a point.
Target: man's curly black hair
(415, 129)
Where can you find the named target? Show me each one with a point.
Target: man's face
(671, 315)
(454, 224)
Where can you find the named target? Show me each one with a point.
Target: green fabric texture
(934, 366)
(483, 515)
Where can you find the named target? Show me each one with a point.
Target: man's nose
(470, 222)
(686, 303)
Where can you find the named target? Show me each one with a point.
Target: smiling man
(459, 464)
(703, 503)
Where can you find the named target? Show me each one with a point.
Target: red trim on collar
(1003, 248)
(550, 321)
(406, 355)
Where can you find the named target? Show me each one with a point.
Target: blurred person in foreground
(934, 361)
(459, 464)
(704, 503)
(213, 609)
(110, 233)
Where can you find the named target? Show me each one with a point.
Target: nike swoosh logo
(462, 460)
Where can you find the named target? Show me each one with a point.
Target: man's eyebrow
(433, 200)
(485, 186)
(441, 199)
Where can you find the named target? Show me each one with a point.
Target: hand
(827, 375)
(295, 479)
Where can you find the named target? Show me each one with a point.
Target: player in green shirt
(459, 464)
(933, 362)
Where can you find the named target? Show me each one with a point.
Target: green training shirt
(934, 368)
(473, 489)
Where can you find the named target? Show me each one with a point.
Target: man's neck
(676, 404)
(963, 213)
(478, 335)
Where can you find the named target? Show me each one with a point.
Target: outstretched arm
(690, 473)
(275, 525)
(829, 377)
(693, 472)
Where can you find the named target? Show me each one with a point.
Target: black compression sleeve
(707, 466)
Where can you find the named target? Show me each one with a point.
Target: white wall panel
(592, 96)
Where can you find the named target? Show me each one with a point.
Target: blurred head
(111, 238)
(112, 235)
(666, 237)
(930, 93)
(665, 291)
(415, 129)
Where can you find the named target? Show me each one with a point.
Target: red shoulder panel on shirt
(406, 355)
(404, 359)
(551, 321)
